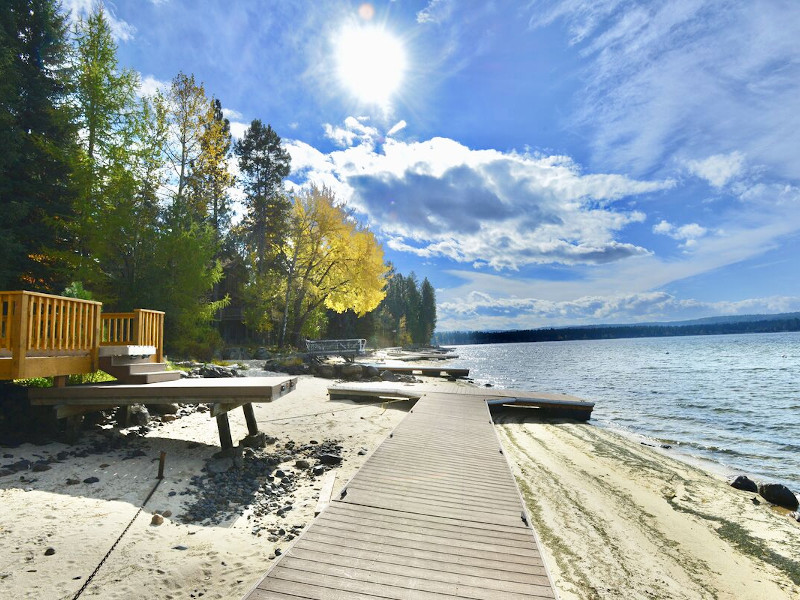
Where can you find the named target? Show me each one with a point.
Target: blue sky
(544, 163)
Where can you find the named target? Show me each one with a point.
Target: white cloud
(120, 29)
(481, 311)
(231, 114)
(399, 126)
(718, 169)
(437, 11)
(688, 234)
(669, 80)
(238, 128)
(507, 210)
(149, 86)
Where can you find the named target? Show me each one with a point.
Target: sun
(371, 62)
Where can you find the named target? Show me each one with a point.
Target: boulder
(138, 415)
(350, 371)
(217, 371)
(742, 482)
(370, 372)
(779, 494)
(326, 371)
(330, 459)
(389, 376)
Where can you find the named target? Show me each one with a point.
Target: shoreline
(616, 519)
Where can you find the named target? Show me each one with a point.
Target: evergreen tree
(264, 164)
(428, 311)
(39, 147)
(107, 113)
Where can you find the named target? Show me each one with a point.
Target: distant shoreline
(610, 332)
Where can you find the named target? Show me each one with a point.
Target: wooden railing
(141, 327)
(43, 335)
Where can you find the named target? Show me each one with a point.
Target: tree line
(607, 332)
(126, 197)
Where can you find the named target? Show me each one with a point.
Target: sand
(616, 519)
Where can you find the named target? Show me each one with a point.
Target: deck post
(250, 417)
(19, 335)
(224, 426)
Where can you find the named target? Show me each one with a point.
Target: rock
(156, 520)
(743, 482)
(20, 465)
(164, 409)
(370, 372)
(220, 465)
(41, 466)
(779, 494)
(389, 376)
(330, 459)
(256, 440)
(302, 464)
(263, 354)
(168, 418)
(318, 470)
(362, 451)
(72, 481)
(795, 515)
(166, 514)
(50, 551)
(217, 371)
(180, 547)
(138, 415)
(326, 371)
(91, 480)
(755, 501)
(4, 472)
(351, 371)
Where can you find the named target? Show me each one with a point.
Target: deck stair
(135, 368)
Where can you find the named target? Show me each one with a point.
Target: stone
(156, 520)
(326, 371)
(164, 409)
(795, 515)
(302, 464)
(168, 418)
(370, 372)
(362, 451)
(318, 470)
(166, 514)
(138, 415)
(779, 494)
(180, 547)
(91, 480)
(73, 481)
(256, 440)
(41, 466)
(389, 376)
(351, 371)
(330, 459)
(50, 551)
(5, 472)
(743, 482)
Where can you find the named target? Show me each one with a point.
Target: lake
(730, 399)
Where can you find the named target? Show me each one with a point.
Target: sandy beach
(616, 519)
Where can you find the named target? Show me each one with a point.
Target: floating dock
(434, 514)
(424, 371)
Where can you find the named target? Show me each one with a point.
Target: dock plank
(433, 513)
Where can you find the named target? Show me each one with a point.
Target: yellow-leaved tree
(332, 262)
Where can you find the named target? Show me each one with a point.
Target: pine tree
(428, 311)
(264, 164)
(39, 147)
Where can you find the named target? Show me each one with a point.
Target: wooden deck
(433, 514)
(424, 371)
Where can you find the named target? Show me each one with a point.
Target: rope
(110, 550)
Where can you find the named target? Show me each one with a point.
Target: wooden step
(153, 377)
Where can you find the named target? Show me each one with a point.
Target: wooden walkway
(433, 514)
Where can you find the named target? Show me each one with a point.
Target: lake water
(730, 399)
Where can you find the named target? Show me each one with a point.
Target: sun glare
(371, 63)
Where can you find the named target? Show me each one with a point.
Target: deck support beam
(250, 417)
(224, 426)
